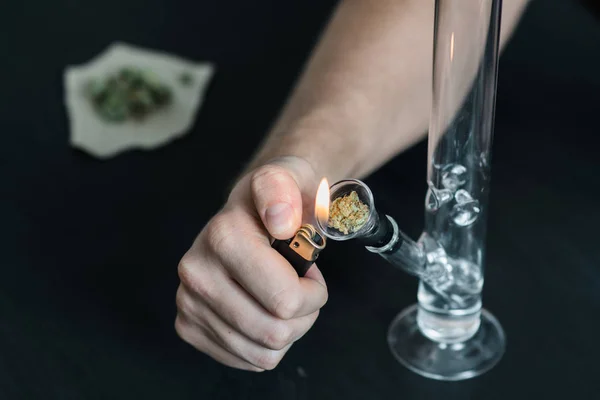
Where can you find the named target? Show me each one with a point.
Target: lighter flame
(322, 203)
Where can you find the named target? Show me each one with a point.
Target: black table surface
(89, 249)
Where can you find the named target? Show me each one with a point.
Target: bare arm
(365, 94)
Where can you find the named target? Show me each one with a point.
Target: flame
(322, 203)
(452, 47)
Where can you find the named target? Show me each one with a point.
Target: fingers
(200, 340)
(270, 279)
(196, 312)
(278, 200)
(266, 275)
(241, 312)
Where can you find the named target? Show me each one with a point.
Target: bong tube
(466, 42)
(450, 254)
(466, 46)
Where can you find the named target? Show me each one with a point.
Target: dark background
(89, 249)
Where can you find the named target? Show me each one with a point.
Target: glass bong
(447, 335)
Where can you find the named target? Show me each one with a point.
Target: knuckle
(191, 278)
(183, 302)
(187, 271)
(287, 303)
(266, 172)
(268, 360)
(219, 233)
(181, 328)
(268, 176)
(278, 336)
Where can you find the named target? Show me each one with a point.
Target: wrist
(300, 168)
(328, 153)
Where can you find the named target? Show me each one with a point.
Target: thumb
(278, 200)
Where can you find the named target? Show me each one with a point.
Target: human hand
(240, 301)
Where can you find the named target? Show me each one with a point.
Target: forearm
(365, 94)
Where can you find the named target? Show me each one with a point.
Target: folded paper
(104, 139)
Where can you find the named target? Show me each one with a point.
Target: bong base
(447, 362)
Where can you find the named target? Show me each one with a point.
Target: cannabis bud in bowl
(348, 214)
